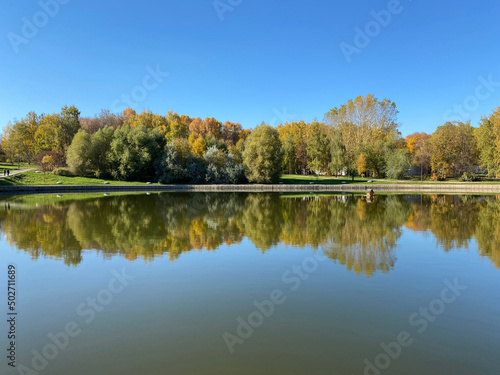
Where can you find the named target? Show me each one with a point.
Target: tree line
(361, 137)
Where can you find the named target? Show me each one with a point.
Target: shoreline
(420, 188)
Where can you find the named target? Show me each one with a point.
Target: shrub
(436, 177)
(196, 170)
(168, 168)
(216, 175)
(63, 172)
(236, 174)
(470, 177)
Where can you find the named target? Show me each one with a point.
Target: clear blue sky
(263, 57)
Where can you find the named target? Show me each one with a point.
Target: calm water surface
(253, 284)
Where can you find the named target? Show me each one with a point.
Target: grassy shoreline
(32, 182)
(32, 178)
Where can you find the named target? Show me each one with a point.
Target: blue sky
(262, 61)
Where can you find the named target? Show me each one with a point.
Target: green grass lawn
(33, 178)
(13, 167)
(294, 179)
(330, 180)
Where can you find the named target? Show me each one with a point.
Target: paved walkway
(14, 172)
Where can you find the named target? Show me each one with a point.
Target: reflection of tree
(453, 220)
(456, 220)
(359, 234)
(488, 231)
(364, 235)
(147, 226)
(41, 231)
(263, 219)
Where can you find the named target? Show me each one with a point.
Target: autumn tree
(197, 127)
(365, 125)
(46, 134)
(361, 164)
(454, 149)
(128, 112)
(198, 145)
(297, 159)
(177, 127)
(149, 120)
(8, 147)
(22, 137)
(419, 146)
(101, 120)
(186, 120)
(48, 162)
(213, 128)
(231, 132)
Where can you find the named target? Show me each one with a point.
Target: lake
(240, 283)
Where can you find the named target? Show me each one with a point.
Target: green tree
(67, 127)
(318, 148)
(486, 145)
(262, 156)
(397, 164)
(289, 158)
(100, 147)
(339, 163)
(133, 152)
(78, 156)
(488, 142)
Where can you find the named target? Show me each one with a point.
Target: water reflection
(360, 234)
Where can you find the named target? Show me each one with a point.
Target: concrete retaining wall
(426, 188)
